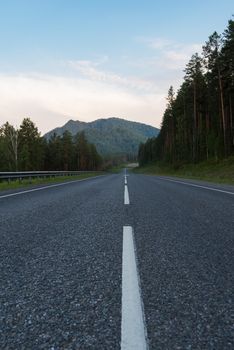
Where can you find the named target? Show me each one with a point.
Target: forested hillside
(75, 146)
(25, 149)
(111, 136)
(198, 123)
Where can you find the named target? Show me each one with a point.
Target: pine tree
(198, 122)
(194, 76)
(228, 73)
(67, 149)
(31, 153)
(10, 139)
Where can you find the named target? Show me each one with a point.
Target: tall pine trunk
(194, 121)
(231, 121)
(222, 113)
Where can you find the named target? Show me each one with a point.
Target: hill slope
(111, 136)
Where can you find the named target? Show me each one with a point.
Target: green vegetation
(112, 137)
(14, 184)
(198, 123)
(221, 171)
(25, 149)
(116, 169)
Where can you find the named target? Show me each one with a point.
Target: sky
(90, 59)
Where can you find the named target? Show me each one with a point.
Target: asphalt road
(61, 264)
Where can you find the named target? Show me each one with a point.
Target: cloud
(51, 100)
(169, 54)
(155, 43)
(89, 69)
(94, 91)
(180, 55)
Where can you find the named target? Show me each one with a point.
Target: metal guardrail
(20, 175)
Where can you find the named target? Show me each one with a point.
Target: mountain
(111, 136)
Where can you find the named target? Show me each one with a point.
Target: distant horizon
(102, 118)
(79, 120)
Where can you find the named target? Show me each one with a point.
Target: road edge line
(195, 185)
(50, 186)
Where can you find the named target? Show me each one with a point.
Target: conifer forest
(198, 123)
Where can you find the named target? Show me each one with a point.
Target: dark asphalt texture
(185, 247)
(60, 267)
(61, 264)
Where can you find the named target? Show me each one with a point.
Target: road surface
(118, 262)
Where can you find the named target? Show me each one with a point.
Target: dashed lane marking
(133, 331)
(126, 195)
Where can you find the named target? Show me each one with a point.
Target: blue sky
(88, 59)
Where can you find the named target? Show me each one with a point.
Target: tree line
(24, 149)
(198, 122)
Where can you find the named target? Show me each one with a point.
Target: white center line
(46, 187)
(193, 185)
(133, 331)
(126, 195)
(125, 180)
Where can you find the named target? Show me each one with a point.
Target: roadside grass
(15, 184)
(120, 167)
(116, 169)
(221, 171)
